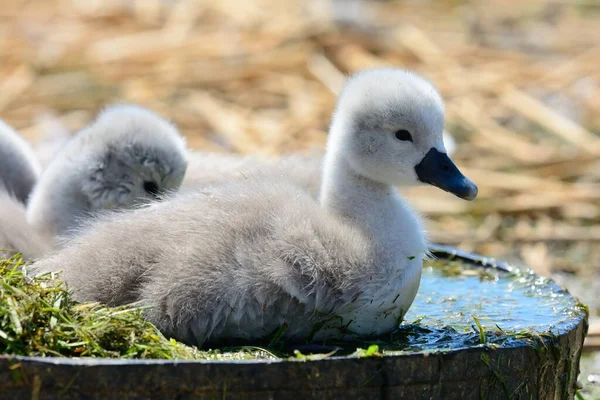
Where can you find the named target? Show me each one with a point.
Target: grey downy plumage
(19, 171)
(19, 168)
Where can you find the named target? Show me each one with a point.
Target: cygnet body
(127, 157)
(19, 168)
(19, 172)
(243, 259)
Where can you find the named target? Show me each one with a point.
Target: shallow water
(455, 296)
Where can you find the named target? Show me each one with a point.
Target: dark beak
(438, 170)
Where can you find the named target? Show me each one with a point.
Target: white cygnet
(240, 260)
(128, 156)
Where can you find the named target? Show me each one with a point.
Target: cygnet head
(127, 157)
(19, 169)
(135, 155)
(389, 126)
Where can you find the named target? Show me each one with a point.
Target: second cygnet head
(126, 157)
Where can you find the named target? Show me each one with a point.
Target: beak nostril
(445, 168)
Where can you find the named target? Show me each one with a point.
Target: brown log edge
(548, 372)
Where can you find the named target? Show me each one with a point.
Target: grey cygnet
(239, 260)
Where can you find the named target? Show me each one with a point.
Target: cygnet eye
(151, 188)
(403, 135)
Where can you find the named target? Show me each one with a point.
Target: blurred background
(521, 80)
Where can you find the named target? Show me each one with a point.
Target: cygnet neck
(376, 208)
(354, 196)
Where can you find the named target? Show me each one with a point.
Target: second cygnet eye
(151, 187)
